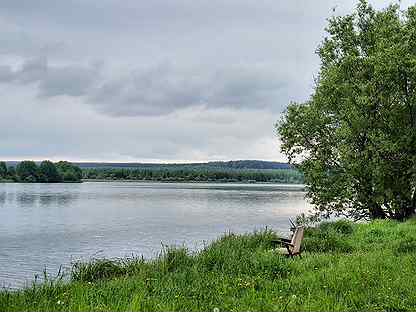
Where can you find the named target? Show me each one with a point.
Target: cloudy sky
(160, 80)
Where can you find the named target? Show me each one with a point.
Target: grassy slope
(345, 267)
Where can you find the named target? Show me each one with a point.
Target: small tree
(48, 173)
(69, 172)
(27, 171)
(355, 139)
(3, 169)
(11, 173)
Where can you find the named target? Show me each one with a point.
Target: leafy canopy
(355, 139)
(46, 172)
(3, 169)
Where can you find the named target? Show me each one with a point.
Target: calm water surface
(48, 225)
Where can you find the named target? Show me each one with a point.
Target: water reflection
(2, 198)
(28, 199)
(60, 199)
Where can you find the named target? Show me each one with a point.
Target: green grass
(345, 267)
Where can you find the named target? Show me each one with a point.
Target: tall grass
(345, 267)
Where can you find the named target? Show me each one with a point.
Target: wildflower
(60, 302)
(216, 310)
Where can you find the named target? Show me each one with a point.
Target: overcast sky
(171, 80)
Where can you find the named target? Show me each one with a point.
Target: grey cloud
(166, 89)
(52, 80)
(32, 71)
(6, 73)
(23, 41)
(156, 91)
(69, 80)
(246, 87)
(150, 14)
(159, 90)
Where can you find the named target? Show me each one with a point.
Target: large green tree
(355, 139)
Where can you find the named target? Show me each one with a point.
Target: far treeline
(233, 171)
(196, 174)
(46, 172)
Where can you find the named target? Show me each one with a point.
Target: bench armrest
(288, 244)
(283, 241)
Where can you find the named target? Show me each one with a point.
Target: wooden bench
(291, 246)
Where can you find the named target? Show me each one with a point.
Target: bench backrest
(297, 239)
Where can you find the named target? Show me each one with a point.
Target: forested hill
(235, 164)
(218, 171)
(229, 171)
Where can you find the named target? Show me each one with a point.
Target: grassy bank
(345, 267)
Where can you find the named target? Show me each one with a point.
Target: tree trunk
(376, 212)
(407, 210)
(410, 210)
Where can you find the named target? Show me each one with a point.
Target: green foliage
(3, 170)
(405, 245)
(11, 173)
(355, 139)
(97, 270)
(330, 237)
(27, 171)
(69, 172)
(243, 273)
(46, 172)
(344, 227)
(214, 165)
(173, 174)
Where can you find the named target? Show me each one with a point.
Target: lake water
(48, 225)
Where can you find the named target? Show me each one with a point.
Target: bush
(174, 258)
(97, 270)
(270, 264)
(329, 237)
(341, 226)
(405, 245)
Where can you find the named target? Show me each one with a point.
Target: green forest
(197, 174)
(247, 171)
(234, 171)
(46, 172)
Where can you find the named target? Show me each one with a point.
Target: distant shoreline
(187, 181)
(297, 186)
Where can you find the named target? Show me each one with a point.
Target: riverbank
(345, 267)
(294, 185)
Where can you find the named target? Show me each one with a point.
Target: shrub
(329, 237)
(270, 264)
(340, 226)
(404, 245)
(96, 270)
(174, 258)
